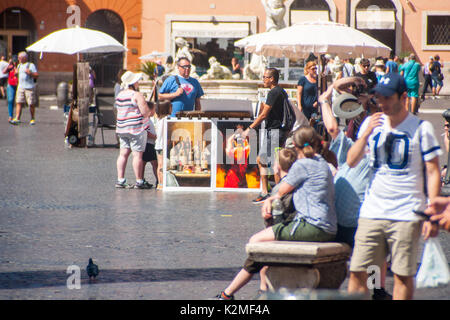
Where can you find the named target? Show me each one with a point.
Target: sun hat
(129, 78)
(379, 63)
(346, 106)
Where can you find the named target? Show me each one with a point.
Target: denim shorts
(436, 82)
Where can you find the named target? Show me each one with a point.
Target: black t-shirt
(370, 79)
(275, 99)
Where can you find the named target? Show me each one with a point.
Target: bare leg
(264, 177)
(263, 283)
(155, 169)
(160, 169)
(122, 162)
(243, 277)
(138, 164)
(413, 104)
(19, 110)
(357, 283)
(403, 288)
(32, 111)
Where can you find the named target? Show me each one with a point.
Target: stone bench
(295, 265)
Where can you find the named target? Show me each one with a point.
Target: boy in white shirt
(402, 148)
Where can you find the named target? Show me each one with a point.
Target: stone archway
(17, 30)
(106, 66)
(330, 3)
(398, 21)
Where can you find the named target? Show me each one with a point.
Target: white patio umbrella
(77, 40)
(154, 54)
(318, 37)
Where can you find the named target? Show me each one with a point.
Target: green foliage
(149, 69)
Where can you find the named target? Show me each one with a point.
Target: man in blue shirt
(183, 91)
(391, 65)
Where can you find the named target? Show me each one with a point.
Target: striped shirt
(129, 118)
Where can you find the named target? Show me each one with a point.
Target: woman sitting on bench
(311, 182)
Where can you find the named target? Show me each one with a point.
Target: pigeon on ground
(92, 270)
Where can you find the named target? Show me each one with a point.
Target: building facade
(211, 27)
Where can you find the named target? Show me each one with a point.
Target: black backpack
(289, 117)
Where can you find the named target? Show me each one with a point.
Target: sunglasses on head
(186, 66)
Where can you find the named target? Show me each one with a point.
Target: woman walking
(12, 86)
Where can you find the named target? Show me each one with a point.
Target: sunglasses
(366, 65)
(264, 77)
(186, 66)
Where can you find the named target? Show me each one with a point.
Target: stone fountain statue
(183, 51)
(216, 71)
(275, 12)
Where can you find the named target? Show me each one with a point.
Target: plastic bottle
(277, 210)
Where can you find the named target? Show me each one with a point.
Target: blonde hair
(308, 66)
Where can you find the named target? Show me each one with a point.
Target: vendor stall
(205, 152)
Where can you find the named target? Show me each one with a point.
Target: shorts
(159, 152)
(435, 82)
(375, 239)
(270, 142)
(3, 81)
(413, 92)
(149, 153)
(26, 96)
(134, 142)
(304, 232)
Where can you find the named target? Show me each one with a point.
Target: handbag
(440, 77)
(162, 107)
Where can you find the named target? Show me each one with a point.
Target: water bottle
(277, 211)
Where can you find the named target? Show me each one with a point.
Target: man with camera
(26, 89)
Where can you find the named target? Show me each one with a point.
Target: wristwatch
(324, 101)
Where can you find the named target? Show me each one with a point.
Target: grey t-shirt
(314, 193)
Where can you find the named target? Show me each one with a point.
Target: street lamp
(445, 190)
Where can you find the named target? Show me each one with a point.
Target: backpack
(289, 117)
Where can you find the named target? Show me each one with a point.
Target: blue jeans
(11, 94)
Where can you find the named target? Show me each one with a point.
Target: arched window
(309, 10)
(107, 65)
(17, 30)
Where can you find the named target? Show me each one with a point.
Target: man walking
(26, 89)
(370, 78)
(402, 148)
(272, 113)
(184, 91)
(410, 71)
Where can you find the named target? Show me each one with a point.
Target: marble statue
(255, 69)
(275, 12)
(216, 71)
(183, 51)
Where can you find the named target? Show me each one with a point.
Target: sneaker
(261, 198)
(122, 185)
(32, 122)
(15, 121)
(148, 185)
(141, 185)
(381, 294)
(224, 296)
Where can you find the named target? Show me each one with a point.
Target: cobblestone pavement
(58, 207)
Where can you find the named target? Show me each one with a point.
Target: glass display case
(209, 155)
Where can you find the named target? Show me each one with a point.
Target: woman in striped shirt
(132, 121)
